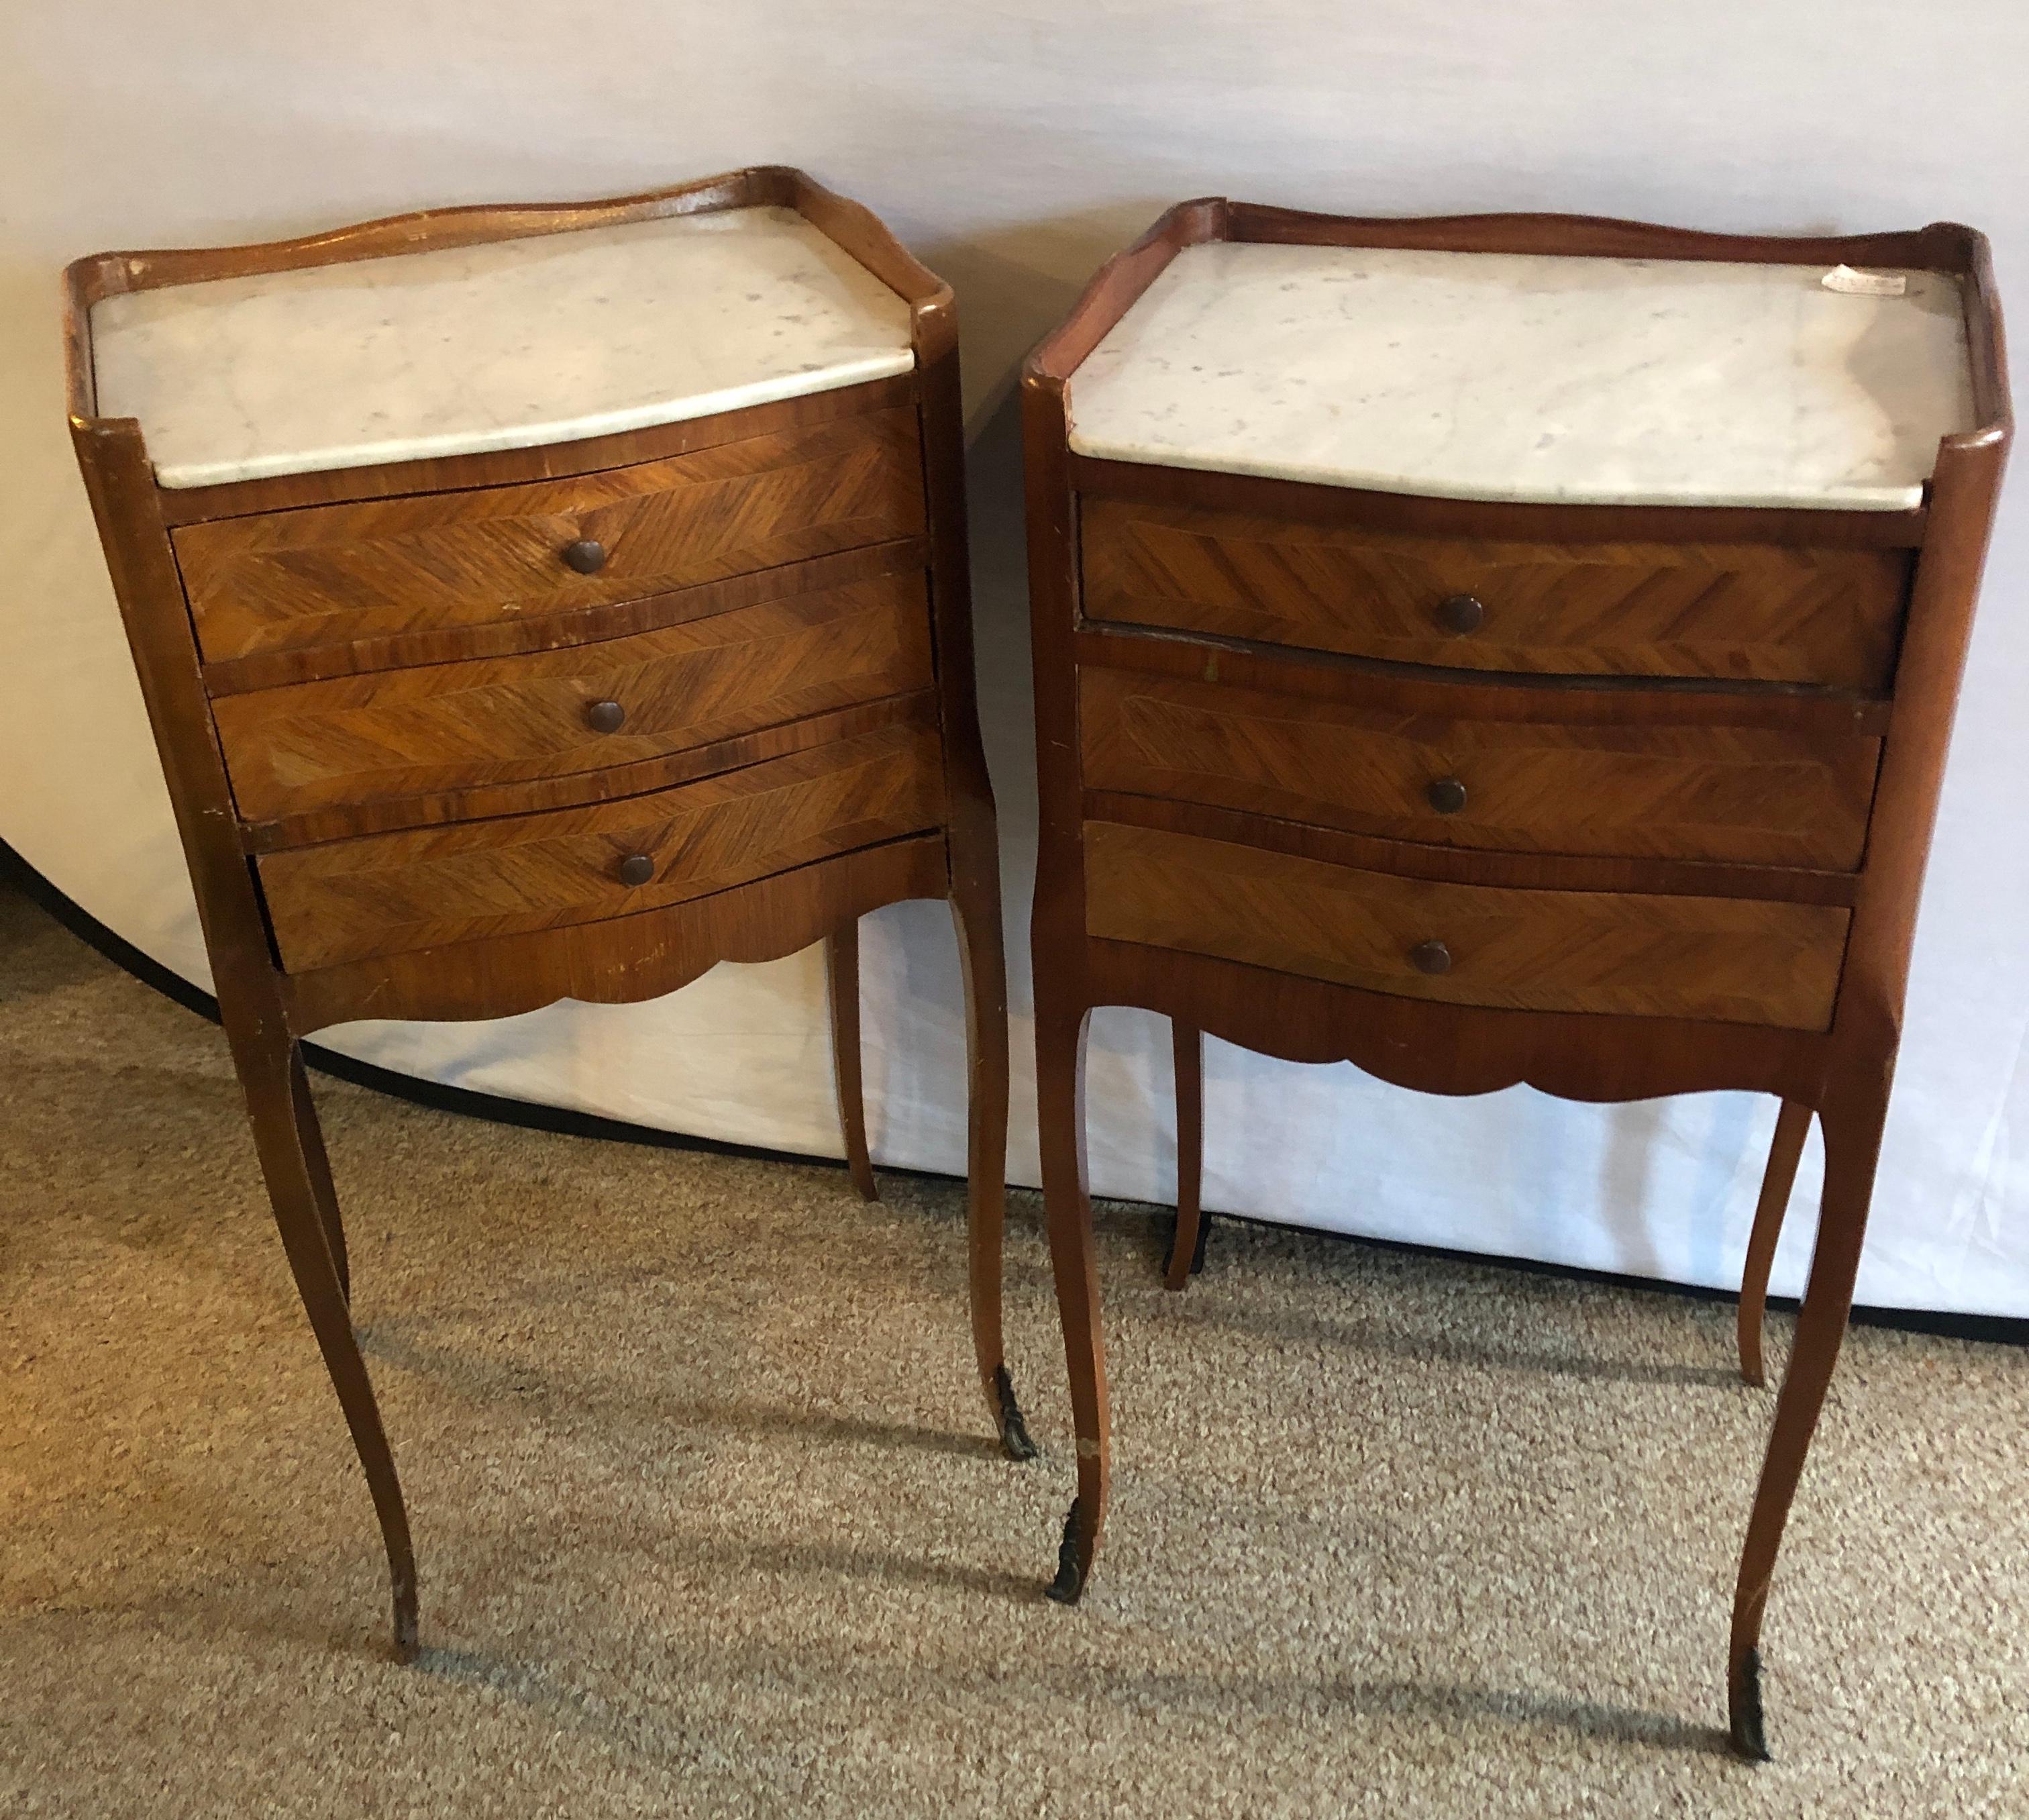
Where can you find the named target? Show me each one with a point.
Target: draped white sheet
(1014, 145)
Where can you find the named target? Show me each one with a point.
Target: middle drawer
(1751, 795)
(443, 726)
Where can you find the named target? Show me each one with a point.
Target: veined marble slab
(1482, 375)
(509, 344)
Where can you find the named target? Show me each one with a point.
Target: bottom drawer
(1734, 960)
(423, 888)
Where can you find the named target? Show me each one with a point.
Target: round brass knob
(636, 869)
(586, 555)
(1446, 795)
(605, 717)
(1430, 957)
(1461, 614)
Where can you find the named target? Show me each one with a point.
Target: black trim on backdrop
(2005, 1330)
(16, 871)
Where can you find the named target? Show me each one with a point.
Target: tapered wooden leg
(1060, 1117)
(977, 918)
(1187, 1246)
(319, 1166)
(1793, 1125)
(292, 1162)
(1851, 1126)
(842, 975)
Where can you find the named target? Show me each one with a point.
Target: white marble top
(504, 345)
(1481, 376)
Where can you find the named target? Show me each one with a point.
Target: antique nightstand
(543, 602)
(1505, 649)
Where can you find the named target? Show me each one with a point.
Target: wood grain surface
(1767, 613)
(619, 959)
(1746, 794)
(358, 740)
(1615, 875)
(1736, 961)
(327, 574)
(344, 821)
(509, 636)
(429, 887)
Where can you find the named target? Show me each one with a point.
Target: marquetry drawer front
(331, 574)
(1726, 958)
(1744, 611)
(441, 727)
(1747, 794)
(390, 893)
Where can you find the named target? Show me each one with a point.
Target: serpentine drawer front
(279, 581)
(401, 733)
(1503, 649)
(543, 603)
(431, 887)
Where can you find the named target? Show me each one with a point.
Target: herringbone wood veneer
(1763, 612)
(327, 574)
(427, 887)
(1752, 795)
(501, 720)
(1725, 958)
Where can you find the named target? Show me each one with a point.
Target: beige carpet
(708, 1521)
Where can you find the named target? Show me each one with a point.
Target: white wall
(1014, 146)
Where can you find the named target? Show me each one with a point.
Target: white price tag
(1864, 284)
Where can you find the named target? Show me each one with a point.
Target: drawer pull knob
(1430, 957)
(636, 869)
(608, 717)
(586, 555)
(1446, 795)
(1460, 613)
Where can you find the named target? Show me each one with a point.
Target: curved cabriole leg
(842, 977)
(1793, 1125)
(1187, 1246)
(319, 1168)
(985, 968)
(1060, 1116)
(292, 1162)
(1852, 1126)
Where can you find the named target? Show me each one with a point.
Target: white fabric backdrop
(1013, 144)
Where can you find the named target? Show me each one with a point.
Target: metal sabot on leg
(1070, 1582)
(1195, 1267)
(1015, 1441)
(1749, 1738)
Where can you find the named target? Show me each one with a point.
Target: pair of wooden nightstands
(1493, 650)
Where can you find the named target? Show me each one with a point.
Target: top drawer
(1736, 611)
(330, 574)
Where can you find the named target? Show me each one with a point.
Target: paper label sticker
(1864, 284)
